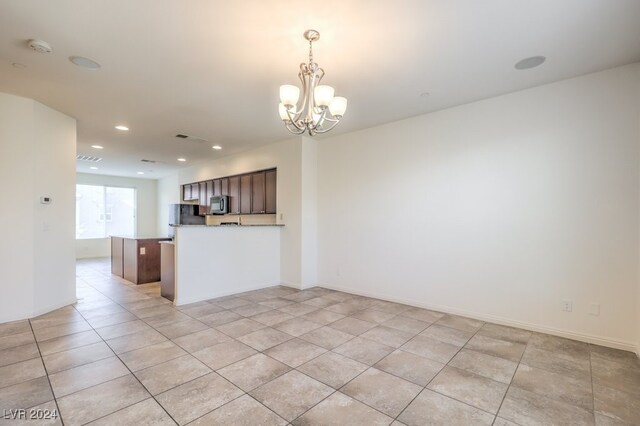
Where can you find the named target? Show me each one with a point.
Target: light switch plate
(143, 250)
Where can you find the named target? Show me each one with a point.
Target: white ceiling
(212, 68)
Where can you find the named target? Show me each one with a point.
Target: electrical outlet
(594, 309)
(567, 305)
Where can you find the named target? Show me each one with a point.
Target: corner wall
(146, 212)
(499, 209)
(37, 158)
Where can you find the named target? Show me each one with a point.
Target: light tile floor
(123, 355)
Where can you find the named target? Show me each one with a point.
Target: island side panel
(117, 248)
(218, 261)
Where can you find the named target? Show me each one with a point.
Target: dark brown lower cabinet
(140, 259)
(167, 270)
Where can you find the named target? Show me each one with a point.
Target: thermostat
(45, 200)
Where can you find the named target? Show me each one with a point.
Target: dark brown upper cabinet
(202, 198)
(209, 193)
(257, 192)
(234, 194)
(224, 186)
(245, 194)
(217, 187)
(250, 193)
(270, 192)
(186, 192)
(195, 191)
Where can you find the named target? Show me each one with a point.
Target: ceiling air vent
(88, 158)
(144, 160)
(190, 138)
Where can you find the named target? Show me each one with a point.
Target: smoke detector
(40, 46)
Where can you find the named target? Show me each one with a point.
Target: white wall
(37, 158)
(218, 261)
(146, 212)
(309, 206)
(168, 190)
(498, 209)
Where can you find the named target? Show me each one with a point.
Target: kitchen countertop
(227, 226)
(140, 237)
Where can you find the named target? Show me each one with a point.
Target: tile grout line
(46, 372)
(436, 375)
(511, 381)
(189, 353)
(126, 366)
(593, 395)
(328, 325)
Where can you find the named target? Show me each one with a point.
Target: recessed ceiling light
(531, 62)
(93, 168)
(85, 63)
(18, 65)
(217, 147)
(97, 146)
(182, 159)
(140, 173)
(121, 127)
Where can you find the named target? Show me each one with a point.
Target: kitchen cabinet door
(270, 191)
(217, 187)
(210, 192)
(234, 194)
(195, 192)
(186, 192)
(202, 198)
(257, 192)
(245, 194)
(224, 186)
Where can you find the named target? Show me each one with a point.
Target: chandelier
(319, 110)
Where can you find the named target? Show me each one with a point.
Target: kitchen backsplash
(245, 219)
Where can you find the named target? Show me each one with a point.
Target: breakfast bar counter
(218, 260)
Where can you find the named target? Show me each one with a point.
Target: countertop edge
(230, 226)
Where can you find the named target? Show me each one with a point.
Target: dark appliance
(219, 204)
(184, 214)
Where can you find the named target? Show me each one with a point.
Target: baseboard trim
(50, 308)
(583, 337)
(215, 295)
(39, 312)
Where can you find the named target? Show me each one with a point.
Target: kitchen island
(136, 259)
(216, 260)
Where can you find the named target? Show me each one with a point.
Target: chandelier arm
(296, 130)
(328, 129)
(293, 118)
(323, 113)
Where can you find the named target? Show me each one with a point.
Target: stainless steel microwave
(219, 205)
